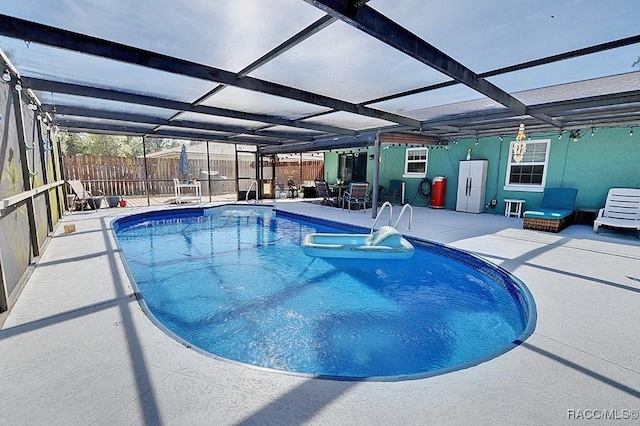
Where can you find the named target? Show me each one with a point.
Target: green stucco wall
(609, 158)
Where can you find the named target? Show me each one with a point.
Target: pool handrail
(249, 191)
(400, 216)
(375, 221)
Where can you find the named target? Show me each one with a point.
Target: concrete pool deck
(77, 348)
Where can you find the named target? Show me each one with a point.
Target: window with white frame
(527, 165)
(415, 163)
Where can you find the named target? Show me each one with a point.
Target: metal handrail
(400, 216)
(385, 204)
(249, 191)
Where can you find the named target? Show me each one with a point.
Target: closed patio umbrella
(183, 165)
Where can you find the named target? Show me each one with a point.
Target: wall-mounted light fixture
(631, 132)
(6, 76)
(18, 87)
(575, 135)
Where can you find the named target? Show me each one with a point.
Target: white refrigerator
(472, 183)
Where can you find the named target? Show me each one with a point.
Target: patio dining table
(338, 188)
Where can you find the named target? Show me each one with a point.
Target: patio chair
(357, 194)
(322, 189)
(556, 210)
(621, 210)
(83, 199)
(392, 192)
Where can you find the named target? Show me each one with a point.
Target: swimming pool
(233, 281)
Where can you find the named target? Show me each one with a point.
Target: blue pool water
(234, 282)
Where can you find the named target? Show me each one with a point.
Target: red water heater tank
(438, 190)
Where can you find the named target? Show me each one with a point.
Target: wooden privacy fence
(126, 176)
(311, 170)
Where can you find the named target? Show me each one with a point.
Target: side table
(513, 208)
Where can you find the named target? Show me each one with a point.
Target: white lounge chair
(621, 210)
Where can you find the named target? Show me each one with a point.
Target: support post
(45, 173)
(3, 292)
(146, 172)
(61, 174)
(376, 176)
(22, 143)
(257, 158)
(208, 172)
(300, 173)
(235, 151)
